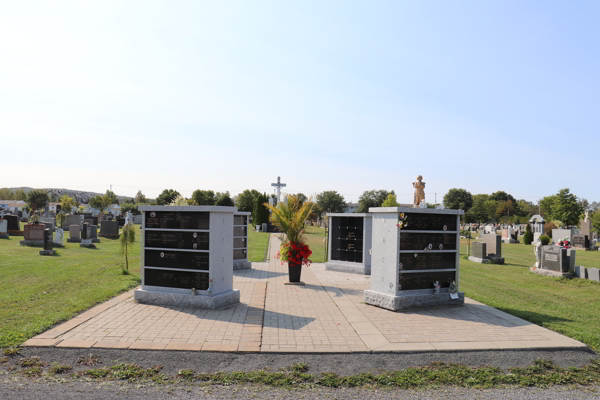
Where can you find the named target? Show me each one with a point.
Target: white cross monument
(278, 185)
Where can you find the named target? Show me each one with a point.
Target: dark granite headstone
(47, 239)
(581, 241)
(13, 223)
(109, 229)
(554, 258)
(84, 231)
(479, 249)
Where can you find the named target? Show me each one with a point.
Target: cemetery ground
(38, 292)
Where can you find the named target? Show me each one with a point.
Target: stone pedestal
(87, 243)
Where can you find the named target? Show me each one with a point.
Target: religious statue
(537, 250)
(419, 195)
(587, 215)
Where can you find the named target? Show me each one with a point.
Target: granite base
(109, 236)
(547, 272)
(480, 260)
(186, 300)
(87, 245)
(241, 264)
(47, 252)
(411, 302)
(352, 268)
(16, 233)
(4, 236)
(73, 240)
(32, 243)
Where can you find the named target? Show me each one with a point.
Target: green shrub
(528, 237)
(466, 234)
(545, 240)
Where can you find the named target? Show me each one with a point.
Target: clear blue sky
(330, 95)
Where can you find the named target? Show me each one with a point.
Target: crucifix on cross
(278, 185)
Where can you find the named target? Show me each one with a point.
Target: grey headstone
(580, 272)
(560, 234)
(593, 274)
(85, 232)
(572, 255)
(479, 249)
(581, 241)
(494, 244)
(74, 232)
(554, 258)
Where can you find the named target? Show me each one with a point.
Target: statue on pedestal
(537, 250)
(419, 195)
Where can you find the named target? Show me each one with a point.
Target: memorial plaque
(177, 240)
(431, 241)
(479, 249)
(239, 243)
(176, 259)
(177, 220)
(424, 261)
(431, 222)
(240, 220)
(240, 231)
(176, 279)
(239, 254)
(425, 280)
(581, 241)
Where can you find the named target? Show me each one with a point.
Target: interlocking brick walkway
(324, 315)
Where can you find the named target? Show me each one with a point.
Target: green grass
(314, 237)
(257, 245)
(542, 373)
(567, 306)
(37, 292)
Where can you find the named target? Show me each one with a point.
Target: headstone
(561, 234)
(580, 272)
(12, 223)
(88, 221)
(586, 227)
(72, 220)
(85, 231)
(34, 232)
(593, 274)
(581, 241)
(47, 239)
(263, 228)
(137, 219)
(109, 229)
(494, 244)
(479, 250)
(59, 237)
(555, 259)
(74, 233)
(93, 233)
(3, 229)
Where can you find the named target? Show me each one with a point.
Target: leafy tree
(546, 206)
(371, 198)
(501, 196)
(99, 202)
(594, 206)
(37, 198)
(125, 207)
(20, 195)
(301, 197)
(127, 239)
(223, 199)
(140, 198)
(458, 199)
(166, 197)
(505, 209)
(331, 202)
(566, 208)
(204, 197)
(6, 194)
(244, 200)
(478, 211)
(260, 213)
(67, 203)
(390, 201)
(596, 222)
(112, 197)
(491, 206)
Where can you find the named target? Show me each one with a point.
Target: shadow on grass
(534, 317)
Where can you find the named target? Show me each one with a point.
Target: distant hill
(80, 195)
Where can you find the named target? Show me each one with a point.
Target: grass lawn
(314, 237)
(37, 292)
(568, 306)
(257, 245)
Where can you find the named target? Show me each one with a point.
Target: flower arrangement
(402, 221)
(564, 243)
(296, 253)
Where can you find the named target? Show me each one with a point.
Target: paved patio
(324, 316)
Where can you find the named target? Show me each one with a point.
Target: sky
(330, 95)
